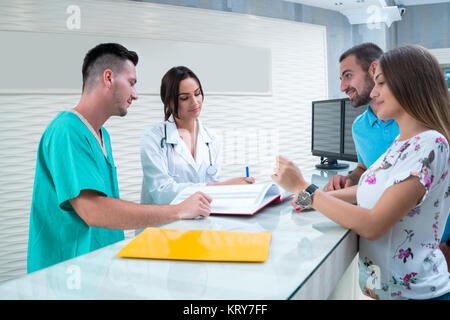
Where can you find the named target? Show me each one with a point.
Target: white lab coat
(169, 169)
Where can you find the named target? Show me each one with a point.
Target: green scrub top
(69, 160)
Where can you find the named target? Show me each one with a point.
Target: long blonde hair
(417, 82)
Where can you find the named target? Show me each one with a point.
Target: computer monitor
(331, 137)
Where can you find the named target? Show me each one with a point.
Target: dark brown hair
(417, 81)
(170, 86)
(105, 56)
(365, 54)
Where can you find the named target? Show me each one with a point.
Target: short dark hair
(170, 85)
(365, 54)
(105, 56)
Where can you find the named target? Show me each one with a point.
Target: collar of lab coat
(203, 137)
(174, 138)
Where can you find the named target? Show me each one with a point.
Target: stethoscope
(211, 170)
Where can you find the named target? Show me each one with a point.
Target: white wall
(260, 125)
(242, 69)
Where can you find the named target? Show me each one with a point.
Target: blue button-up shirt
(372, 136)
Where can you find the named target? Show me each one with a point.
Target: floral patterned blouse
(406, 262)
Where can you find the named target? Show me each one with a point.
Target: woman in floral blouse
(403, 199)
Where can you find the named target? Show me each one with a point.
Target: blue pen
(246, 172)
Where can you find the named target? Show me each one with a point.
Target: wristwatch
(305, 198)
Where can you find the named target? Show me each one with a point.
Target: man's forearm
(356, 173)
(105, 212)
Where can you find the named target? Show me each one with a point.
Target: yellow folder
(203, 245)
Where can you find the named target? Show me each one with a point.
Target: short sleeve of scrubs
(73, 160)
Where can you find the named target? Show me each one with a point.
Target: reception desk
(307, 256)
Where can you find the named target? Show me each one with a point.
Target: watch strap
(311, 188)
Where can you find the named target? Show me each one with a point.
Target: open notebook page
(237, 199)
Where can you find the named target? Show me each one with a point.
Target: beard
(363, 98)
(123, 111)
(119, 105)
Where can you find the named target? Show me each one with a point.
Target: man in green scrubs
(76, 206)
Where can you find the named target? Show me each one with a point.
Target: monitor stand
(330, 164)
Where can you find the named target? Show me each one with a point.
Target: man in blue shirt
(76, 207)
(371, 135)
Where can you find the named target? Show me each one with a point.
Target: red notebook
(238, 199)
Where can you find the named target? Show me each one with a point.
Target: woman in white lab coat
(180, 151)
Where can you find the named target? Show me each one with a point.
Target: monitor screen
(447, 77)
(332, 132)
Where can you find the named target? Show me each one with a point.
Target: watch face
(304, 199)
